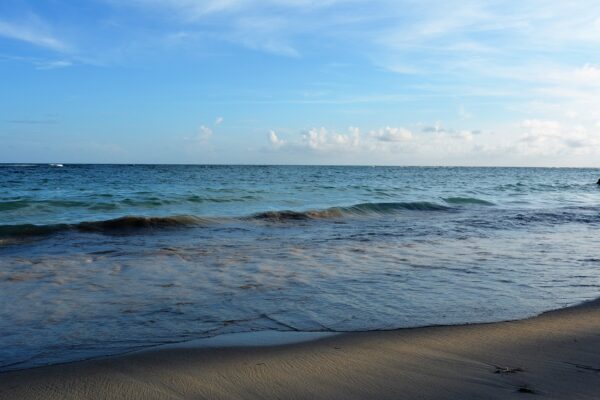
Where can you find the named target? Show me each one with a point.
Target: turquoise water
(104, 259)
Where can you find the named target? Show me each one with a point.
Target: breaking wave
(116, 225)
(468, 200)
(143, 224)
(355, 210)
(138, 223)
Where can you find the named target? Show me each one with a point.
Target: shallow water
(100, 259)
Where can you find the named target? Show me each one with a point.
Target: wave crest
(128, 224)
(355, 210)
(116, 225)
(467, 200)
(136, 223)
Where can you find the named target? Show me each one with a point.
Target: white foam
(247, 339)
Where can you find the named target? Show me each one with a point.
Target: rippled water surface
(100, 259)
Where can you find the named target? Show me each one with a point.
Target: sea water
(103, 259)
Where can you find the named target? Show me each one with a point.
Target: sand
(553, 356)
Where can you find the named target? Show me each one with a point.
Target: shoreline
(270, 338)
(554, 355)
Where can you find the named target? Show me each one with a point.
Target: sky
(404, 82)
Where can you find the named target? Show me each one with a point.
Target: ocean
(97, 260)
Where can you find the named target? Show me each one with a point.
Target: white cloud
(552, 138)
(274, 139)
(218, 121)
(436, 128)
(391, 134)
(320, 139)
(588, 74)
(533, 142)
(54, 64)
(278, 48)
(440, 132)
(425, 38)
(378, 141)
(463, 113)
(195, 9)
(202, 136)
(263, 25)
(32, 33)
(467, 136)
(204, 133)
(569, 96)
(188, 9)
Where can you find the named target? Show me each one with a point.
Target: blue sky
(301, 81)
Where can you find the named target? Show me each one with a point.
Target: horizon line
(294, 165)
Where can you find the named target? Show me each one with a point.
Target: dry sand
(554, 356)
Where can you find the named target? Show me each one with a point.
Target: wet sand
(554, 356)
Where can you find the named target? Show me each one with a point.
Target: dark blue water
(103, 259)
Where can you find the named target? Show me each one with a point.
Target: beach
(555, 356)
